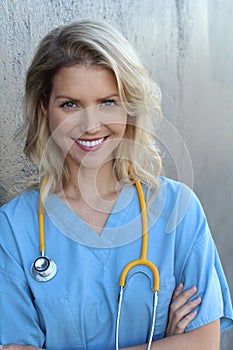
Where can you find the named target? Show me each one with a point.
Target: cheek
(120, 127)
(52, 126)
(118, 130)
(123, 130)
(59, 130)
(55, 123)
(59, 125)
(124, 126)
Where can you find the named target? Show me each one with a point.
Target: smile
(90, 145)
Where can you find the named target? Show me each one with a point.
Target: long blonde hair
(98, 44)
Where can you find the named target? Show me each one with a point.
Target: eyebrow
(77, 100)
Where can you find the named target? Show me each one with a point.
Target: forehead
(85, 77)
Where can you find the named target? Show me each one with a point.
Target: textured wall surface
(187, 47)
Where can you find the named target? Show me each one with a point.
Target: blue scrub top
(77, 309)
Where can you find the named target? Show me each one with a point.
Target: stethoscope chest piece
(43, 269)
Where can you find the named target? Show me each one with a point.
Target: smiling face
(85, 115)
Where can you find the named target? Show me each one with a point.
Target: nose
(90, 122)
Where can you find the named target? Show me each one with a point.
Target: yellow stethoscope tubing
(41, 218)
(143, 258)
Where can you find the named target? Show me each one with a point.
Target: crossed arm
(181, 313)
(206, 337)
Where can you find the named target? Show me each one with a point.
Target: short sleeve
(16, 300)
(202, 268)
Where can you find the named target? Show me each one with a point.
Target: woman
(90, 109)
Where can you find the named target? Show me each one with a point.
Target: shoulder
(173, 187)
(178, 203)
(176, 194)
(18, 218)
(21, 206)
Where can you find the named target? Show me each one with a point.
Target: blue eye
(109, 103)
(68, 105)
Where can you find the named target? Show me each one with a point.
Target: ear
(44, 110)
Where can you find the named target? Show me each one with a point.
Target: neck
(92, 183)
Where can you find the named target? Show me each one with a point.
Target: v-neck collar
(122, 226)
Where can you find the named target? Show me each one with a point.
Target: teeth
(90, 143)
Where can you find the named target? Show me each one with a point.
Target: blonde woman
(90, 109)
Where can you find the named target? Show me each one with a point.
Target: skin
(206, 337)
(181, 311)
(77, 92)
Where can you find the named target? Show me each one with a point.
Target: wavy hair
(93, 43)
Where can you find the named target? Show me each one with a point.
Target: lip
(90, 144)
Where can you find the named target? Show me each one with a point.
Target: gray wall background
(187, 46)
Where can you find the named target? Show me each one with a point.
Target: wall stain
(182, 15)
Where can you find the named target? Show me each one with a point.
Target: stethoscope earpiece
(43, 269)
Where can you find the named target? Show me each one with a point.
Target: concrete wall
(187, 47)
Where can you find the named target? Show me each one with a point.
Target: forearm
(206, 337)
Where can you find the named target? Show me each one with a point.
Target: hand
(18, 347)
(181, 310)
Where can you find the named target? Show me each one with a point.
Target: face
(85, 115)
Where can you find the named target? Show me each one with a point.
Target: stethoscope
(44, 269)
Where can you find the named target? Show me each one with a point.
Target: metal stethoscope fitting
(44, 269)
